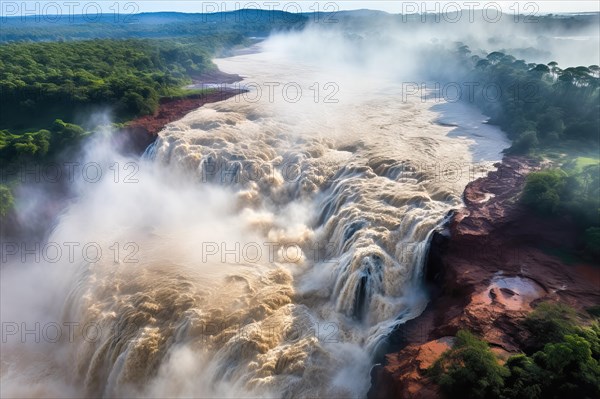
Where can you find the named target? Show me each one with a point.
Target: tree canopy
(40, 82)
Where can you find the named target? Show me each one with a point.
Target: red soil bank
(490, 267)
(141, 132)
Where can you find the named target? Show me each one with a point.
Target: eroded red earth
(493, 267)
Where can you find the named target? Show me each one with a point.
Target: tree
(564, 369)
(482, 64)
(523, 381)
(495, 56)
(592, 241)
(7, 200)
(64, 134)
(569, 370)
(525, 143)
(469, 370)
(550, 124)
(543, 189)
(541, 68)
(550, 322)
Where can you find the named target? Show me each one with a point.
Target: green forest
(551, 114)
(53, 74)
(561, 360)
(46, 87)
(41, 82)
(248, 22)
(540, 106)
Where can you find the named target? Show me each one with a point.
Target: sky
(17, 8)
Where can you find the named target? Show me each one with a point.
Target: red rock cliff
(489, 267)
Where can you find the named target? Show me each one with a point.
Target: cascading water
(274, 243)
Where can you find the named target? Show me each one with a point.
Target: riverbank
(138, 134)
(132, 139)
(486, 270)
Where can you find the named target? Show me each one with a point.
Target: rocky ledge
(486, 270)
(141, 132)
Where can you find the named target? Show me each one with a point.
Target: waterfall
(266, 248)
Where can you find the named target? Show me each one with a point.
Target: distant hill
(250, 22)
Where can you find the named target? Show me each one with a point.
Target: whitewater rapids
(277, 241)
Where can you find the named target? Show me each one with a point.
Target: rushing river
(269, 243)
